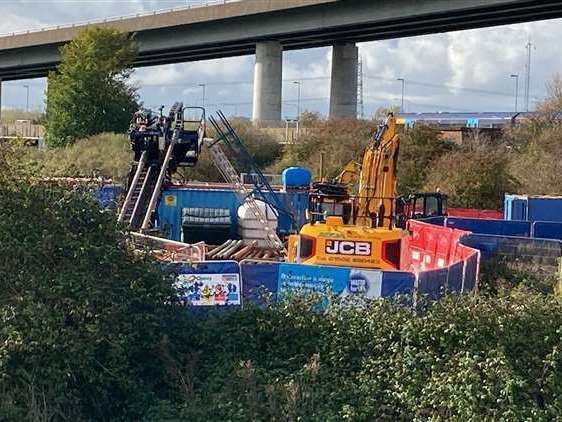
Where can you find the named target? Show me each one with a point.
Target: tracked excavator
(356, 231)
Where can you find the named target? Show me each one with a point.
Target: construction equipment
(160, 144)
(228, 143)
(418, 206)
(363, 234)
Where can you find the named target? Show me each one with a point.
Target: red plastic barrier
(474, 213)
(432, 247)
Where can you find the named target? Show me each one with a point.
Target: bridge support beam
(343, 90)
(268, 74)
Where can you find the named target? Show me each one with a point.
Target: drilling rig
(160, 144)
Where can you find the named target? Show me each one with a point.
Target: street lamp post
(298, 84)
(203, 99)
(403, 88)
(516, 77)
(27, 98)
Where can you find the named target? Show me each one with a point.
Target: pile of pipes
(237, 250)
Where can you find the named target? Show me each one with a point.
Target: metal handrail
(202, 3)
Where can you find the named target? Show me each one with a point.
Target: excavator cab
(328, 200)
(418, 206)
(144, 132)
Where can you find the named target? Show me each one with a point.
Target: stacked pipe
(237, 250)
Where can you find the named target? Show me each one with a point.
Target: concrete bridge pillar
(0, 99)
(343, 90)
(268, 80)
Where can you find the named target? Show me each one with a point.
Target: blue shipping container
(174, 200)
(533, 208)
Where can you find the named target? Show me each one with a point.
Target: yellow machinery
(369, 238)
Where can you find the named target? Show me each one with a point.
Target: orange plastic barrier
(432, 247)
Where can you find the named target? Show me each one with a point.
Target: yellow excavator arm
(377, 181)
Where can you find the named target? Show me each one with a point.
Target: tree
(89, 94)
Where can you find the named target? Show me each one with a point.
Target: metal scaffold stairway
(227, 139)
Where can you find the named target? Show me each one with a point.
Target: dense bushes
(536, 163)
(336, 141)
(420, 148)
(106, 155)
(465, 359)
(81, 319)
(474, 176)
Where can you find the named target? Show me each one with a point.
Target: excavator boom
(377, 181)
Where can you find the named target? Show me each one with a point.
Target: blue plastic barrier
(543, 251)
(547, 230)
(455, 278)
(458, 278)
(470, 274)
(433, 284)
(397, 283)
(258, 276)
(486, 244)
(437, 221)
(495, 227)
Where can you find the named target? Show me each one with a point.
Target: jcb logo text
(345, 247)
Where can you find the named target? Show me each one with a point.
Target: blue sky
(458, 71)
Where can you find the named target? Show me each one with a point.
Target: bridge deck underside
(295, 29)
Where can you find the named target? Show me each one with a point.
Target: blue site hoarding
(488, 226)
(216, 283)
(281, 279)
(308, 278)
(547, 230)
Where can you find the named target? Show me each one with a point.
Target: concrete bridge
(268, 27)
